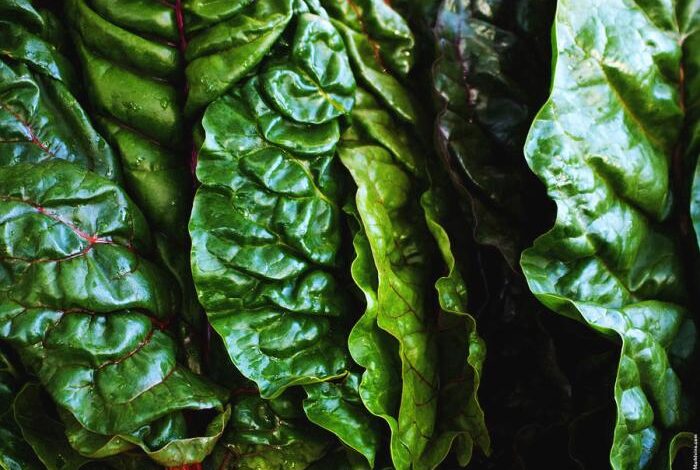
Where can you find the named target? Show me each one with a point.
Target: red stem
(180, 19)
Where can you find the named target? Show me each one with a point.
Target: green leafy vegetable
(268, 435)
(265, 234)
(604, 145)
(397, 330)
(40, 118)
(84, 307)
(82, 303)
(264, 264)
(489, 87)
(15, 451)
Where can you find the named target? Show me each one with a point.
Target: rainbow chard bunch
(280, 234)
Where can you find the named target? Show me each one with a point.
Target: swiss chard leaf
(163, 441)
(398, 329)
(316, 83)
(267, 229)
(337, 406)
(490, 76)
(265, 233)
(158, 70)
(15, 452)
(604, 145)
(138, 109)
(267, 435)
(388, 34)
(40, 118)
(167, 61)
(62, 298)
(83, 306)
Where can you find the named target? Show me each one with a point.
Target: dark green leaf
(42, 432)
(163, 441)
(267, 435)
(265, 236)
(490, 77)
(83, 306)
(337, 406)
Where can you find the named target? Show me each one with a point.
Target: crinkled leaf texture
(268, 435)
(397, 261)
(160, 70)
(80, 306)
(603, 145)
(152, 63)
(412, 366)
(40, 118)
(163, 440)
(83, 305)
(378, 41)
(315, 84)
(267, 229)
(138, 107)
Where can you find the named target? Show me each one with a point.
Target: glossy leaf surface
(267, 435)
(265, 233)
(316, 84)
(604, 145)
(337, 406)
(267, 230)
(83, 306)
(40, 119)
(490, 77)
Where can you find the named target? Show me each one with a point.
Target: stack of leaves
(297, 119)
(231, 236)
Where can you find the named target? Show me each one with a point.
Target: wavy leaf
(155, 65)
(40, 119)
(388, 34)
(462, 352)
(603, 145)
(19, 42)
(337, 406)
(267, 229)
(235, 37)
(401, 242)
(164, 441)
(316, 83)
